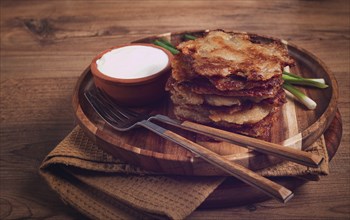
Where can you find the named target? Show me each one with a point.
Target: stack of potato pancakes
(232, 81)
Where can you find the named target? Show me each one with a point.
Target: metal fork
(123, 119)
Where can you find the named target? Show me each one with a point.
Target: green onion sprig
(303, 81)
(290, 78)
(297, 80)
(164, 45)
(320, 80)
(165, 41)
(189, 37)
(301, 97)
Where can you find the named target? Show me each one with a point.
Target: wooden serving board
(297, 127)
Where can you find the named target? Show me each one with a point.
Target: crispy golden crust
(237, 83)
(224, 54)
(204, 87)
(182, 68)
(260, 129)
(230, 81)
(248, 113)
(181, 96)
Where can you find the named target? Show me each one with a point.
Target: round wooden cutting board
(297, 127)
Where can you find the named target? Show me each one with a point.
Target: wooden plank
(83, 28)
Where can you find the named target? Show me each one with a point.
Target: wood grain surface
(45, 45)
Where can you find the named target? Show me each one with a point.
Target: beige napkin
(103, 187)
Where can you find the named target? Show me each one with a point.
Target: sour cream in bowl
(132, 74)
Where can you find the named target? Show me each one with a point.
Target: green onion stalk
(297, 80)
(290, 78)
(165, 41)
(301, 97)
(166, 46)
(189, 37)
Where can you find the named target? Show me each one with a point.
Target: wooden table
(45, 46)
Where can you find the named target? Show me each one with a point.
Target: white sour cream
(131, 62)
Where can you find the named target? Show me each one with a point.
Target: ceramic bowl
(136, 91)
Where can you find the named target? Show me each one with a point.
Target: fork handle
(291, 154)
(272, 189)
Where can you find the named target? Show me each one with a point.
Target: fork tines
(108, 110)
